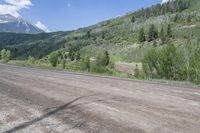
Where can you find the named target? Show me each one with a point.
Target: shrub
(86, 63)
(166, 63)
(103, 59)
(53, 58)
(5, 55)
(153, 33)
(31, 60)
(141, 36)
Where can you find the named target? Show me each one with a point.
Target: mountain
(10, 23)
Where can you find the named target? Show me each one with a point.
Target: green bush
(53, 58)
(31, 60)
(103, 59)
(5, 55)
(166, 63)
(86, 63)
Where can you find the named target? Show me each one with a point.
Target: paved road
(37, 100)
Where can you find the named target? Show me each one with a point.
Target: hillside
(118, 35)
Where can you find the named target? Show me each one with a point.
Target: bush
(141, 36)
(103, 59)
(86, 63)
(53, 58)
(31, 60)
(194, 68)
(166, 63)
(5, 55)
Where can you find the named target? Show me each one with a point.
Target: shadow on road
(29, 123)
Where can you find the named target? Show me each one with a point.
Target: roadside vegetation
(159, 42)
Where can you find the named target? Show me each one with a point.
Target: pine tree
(169, 31)
(141, 36)
(153, 33)
(78, 56)
(133, 19)
(162, 36)
(107, 58)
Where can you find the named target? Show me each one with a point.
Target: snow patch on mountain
(41, 26)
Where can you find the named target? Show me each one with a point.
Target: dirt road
(37, 100)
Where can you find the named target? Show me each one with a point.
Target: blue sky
(63, 15)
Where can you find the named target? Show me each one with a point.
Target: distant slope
(119, 35)
(9, 23)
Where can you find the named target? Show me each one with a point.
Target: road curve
(38, 100)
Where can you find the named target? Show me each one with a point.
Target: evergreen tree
(162, 36)
(88, 34)
(141, 36)
(176, 18)
(107, 58)
(169, 31)
(189, 19)
(78, 56)
(133, 19)
(153, 33)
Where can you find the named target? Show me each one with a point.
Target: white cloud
(165, 1)
(13, 7)
(41, 26)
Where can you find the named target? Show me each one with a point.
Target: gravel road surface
(43, 101)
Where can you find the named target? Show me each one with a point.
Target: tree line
(161, 9)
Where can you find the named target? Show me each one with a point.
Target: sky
(65, 15)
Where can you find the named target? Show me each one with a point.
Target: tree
(169, 31)
(53, 58)
(194, 68)
(71, 55)
(133, 19)
(103, 59)
(162, 36)
(88, 34)
(86, 63)
(63, 63)
(5, 55)
(189, 19)
(141, 36)
(153, 33)
(107, 58)
(78, 56)
(150, 63)
(176, 18)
